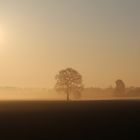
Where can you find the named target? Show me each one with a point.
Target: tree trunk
(68, 95)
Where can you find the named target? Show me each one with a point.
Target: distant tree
(120, 88)
(69, 81)
(133, 92)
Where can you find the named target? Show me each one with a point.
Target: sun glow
(1, 35)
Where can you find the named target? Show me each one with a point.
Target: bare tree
(70, 82)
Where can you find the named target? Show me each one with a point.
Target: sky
(98, 38)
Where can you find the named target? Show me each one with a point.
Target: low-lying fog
(10, 93)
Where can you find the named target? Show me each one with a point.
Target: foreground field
(89, 119)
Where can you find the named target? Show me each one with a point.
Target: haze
(99, 38)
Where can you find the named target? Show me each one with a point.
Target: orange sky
(98, 38)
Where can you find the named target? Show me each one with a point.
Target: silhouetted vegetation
(120, 88)
(69, 81)
(133, 92)
(88, 93)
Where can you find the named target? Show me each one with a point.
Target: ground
(79, 119)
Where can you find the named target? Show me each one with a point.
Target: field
(94, 119)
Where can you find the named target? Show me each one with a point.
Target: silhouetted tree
(133, 92)
(120, 88)
(70, 82)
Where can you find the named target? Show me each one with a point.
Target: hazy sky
(99, 38)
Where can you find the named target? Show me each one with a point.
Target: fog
(12, 93)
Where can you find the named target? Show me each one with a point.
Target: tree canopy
(70, 82)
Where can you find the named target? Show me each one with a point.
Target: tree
(69, 81)
(120, 87)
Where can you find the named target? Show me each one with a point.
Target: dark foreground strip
(74, 120)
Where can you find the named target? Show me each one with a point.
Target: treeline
(70, 82)
(129, 92)
(133, 91)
